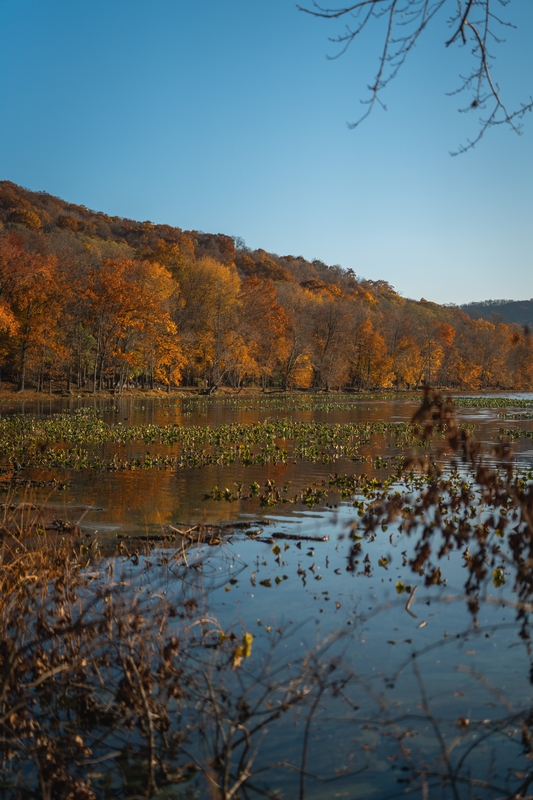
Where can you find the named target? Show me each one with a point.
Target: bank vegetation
(93, 302)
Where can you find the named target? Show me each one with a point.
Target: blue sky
(226, 116)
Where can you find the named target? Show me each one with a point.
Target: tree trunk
(22, 380)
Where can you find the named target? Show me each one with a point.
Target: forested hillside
(519, 312)
(96, 301)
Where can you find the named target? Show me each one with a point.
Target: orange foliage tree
(127, 307)
(110, 300)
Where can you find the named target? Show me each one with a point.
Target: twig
(409, 601)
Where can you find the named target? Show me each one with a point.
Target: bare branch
(405, 21)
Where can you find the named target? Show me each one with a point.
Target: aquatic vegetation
(492, 402)
(345, 486)
(30, 440)
(515, 433)
(523, 415)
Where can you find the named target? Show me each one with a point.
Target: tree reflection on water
(123, 674)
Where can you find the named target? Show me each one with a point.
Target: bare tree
(473, 23)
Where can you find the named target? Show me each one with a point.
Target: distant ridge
(518, 312)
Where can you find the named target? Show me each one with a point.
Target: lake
(411, 689)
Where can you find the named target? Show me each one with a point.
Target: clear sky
(225, 116)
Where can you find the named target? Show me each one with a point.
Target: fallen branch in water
(300, 538)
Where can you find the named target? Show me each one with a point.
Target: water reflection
(428, 697)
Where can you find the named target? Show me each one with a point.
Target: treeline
(96, 301)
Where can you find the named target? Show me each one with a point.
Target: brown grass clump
(116, 682)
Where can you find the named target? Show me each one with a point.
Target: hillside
(95, 302)
(41, 212)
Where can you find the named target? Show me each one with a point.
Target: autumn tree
(31, 302)
(207, 315)
(332, 339)
(398, 330)
(434, 338)
(126, 307)
(493, 342)
(296, 368)
(12, 257)
(520, 359)
(264, 327)
(372, 366)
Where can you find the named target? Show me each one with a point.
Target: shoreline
(9, 393)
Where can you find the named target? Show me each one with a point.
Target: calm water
(144, 501)
(431, 672)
